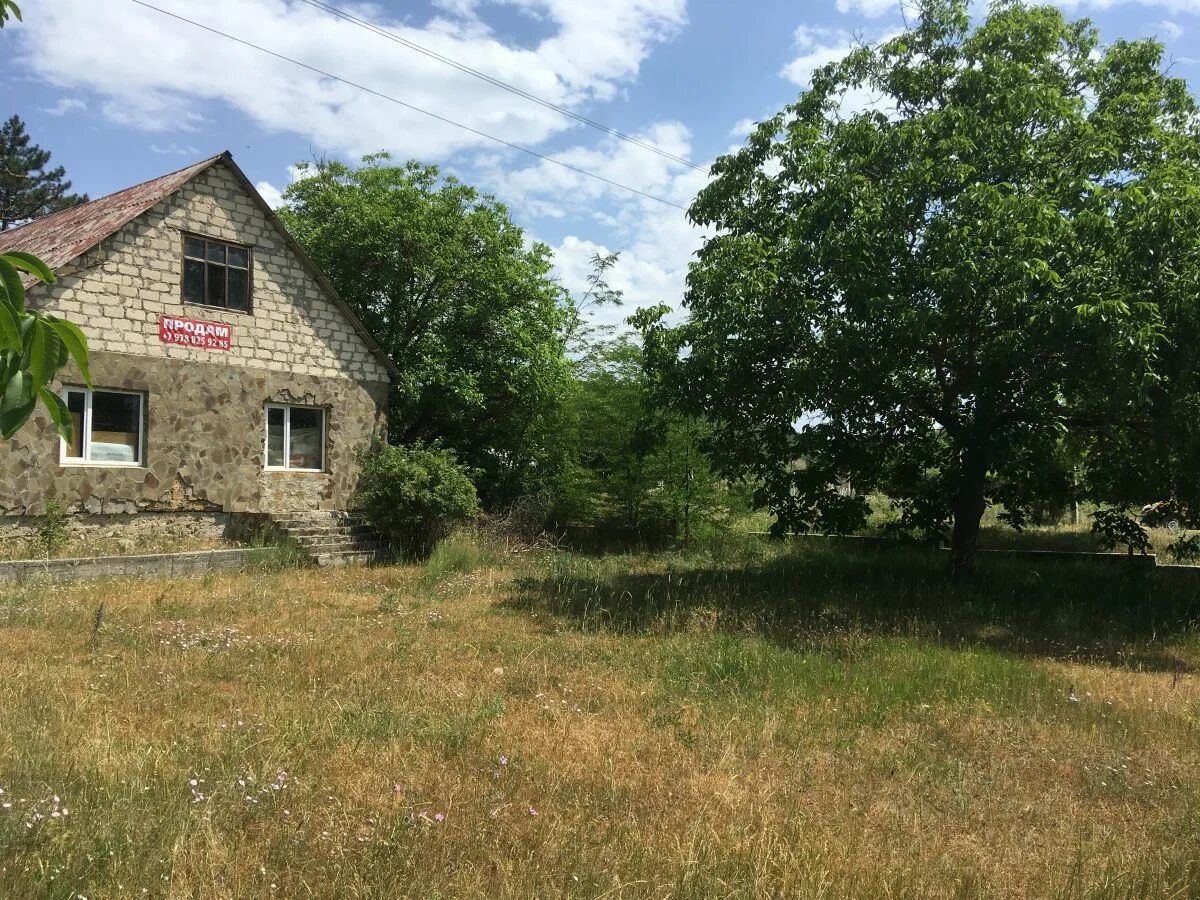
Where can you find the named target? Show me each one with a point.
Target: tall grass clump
(458, 553)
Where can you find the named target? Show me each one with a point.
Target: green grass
(746, 719)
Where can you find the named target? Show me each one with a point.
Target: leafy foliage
(415, 495)
(33, 347)
(27, 188)
(1113, 527)
(633, 463)
(1185, 549)
(468, 312)
(53, 529)
(931, 296)
(629, 461)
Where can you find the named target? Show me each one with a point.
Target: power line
(503, 85)
(398, 102)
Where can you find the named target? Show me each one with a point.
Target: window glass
(115, 434)
(275, 426)
(216, 273)
(295, 438)
(76, 404)
(193, 281)
(216, 285)
(106, 426)
(306, 439)
(238, 293)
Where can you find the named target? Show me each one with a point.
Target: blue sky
(120, 94)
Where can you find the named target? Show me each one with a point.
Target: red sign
(194, 333)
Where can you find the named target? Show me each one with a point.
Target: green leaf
(16, 405)
(14, 290)
(76, 343)
(11, 420)
(31, 264)
(10, 329)
(59, 414)
(39, 357)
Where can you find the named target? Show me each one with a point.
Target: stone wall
(205, 437)
(117, 291)
(135, 529)
(154, 564)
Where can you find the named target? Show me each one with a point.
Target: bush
(414, 496)
(1112, 527)
(1185, 549)
(53, 529)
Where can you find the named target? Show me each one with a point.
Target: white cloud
(870, 8)
(742, 128)
(656, 241)
(1168, 31)
(1172, 6)
(159, 74)
(819, 46)
(174, 149)
(270, 193)
(64, 106)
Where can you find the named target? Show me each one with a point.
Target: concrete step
(344, 547)
(329, 531)
(332, 537)
(290, 523)
(337, 560)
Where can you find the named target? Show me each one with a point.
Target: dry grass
(742, 722)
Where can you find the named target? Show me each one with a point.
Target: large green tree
(27, 188)
(463, 304)
(932, 295)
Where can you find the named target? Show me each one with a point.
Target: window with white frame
(295, 438)
(106, 427)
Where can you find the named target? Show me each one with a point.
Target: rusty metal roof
(60, 237)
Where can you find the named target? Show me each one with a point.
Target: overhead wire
(483, 134)
(497, 82)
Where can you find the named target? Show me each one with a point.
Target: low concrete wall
(153, 564)
(1136, 559)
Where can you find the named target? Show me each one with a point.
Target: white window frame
(287, 436)
(86, 460)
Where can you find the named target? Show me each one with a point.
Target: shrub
(1185, 549)
(413, 496)
(1112, 527)
(53, 529)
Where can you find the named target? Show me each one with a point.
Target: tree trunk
(969, 505)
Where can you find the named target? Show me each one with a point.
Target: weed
(459, 553)
(53, 529)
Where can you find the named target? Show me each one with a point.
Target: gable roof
(62, 236)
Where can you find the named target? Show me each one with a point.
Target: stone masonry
(205, 419)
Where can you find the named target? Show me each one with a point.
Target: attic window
(216, 273)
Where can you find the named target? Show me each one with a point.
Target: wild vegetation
(980, 290)
(746, 719)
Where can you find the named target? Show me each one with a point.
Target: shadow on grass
(808, 595)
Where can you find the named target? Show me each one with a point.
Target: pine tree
(27, 188)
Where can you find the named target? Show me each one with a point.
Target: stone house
(228, 375)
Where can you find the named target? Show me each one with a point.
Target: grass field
(746, 720)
